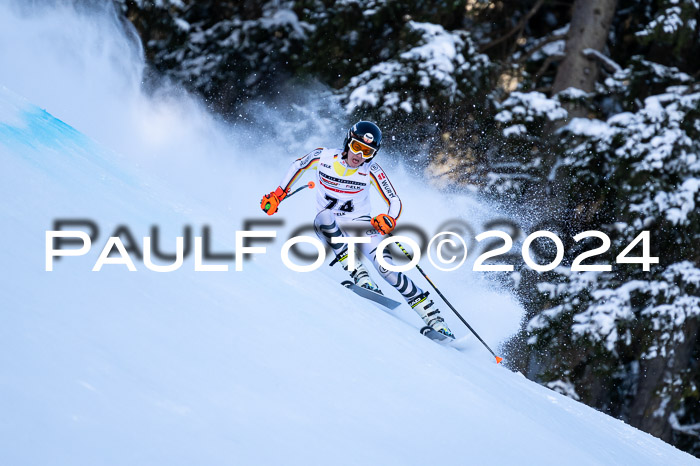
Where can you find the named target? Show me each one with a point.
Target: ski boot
(421, 304)
(360, 274)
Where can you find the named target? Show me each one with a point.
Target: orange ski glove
(270, 202)
(384, 223)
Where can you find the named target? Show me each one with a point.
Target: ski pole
(309, 185)
(498, 359)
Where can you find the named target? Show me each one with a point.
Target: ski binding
(371, 295)
(435, 335)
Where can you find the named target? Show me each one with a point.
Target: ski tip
(498, 360)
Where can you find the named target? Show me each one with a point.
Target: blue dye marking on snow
(52, 142)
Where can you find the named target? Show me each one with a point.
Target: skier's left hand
(384, 223)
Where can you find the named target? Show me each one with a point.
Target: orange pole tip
(498, 360)
(312, 184)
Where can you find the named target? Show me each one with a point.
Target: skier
(344, 177)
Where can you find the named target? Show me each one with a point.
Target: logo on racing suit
(308, 158)
(338, 180)
(387, 188)
(340, 185)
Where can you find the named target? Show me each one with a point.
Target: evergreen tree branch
(539, 46)
(607, 63)
(518, 27)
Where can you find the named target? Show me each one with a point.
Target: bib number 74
(345, 207)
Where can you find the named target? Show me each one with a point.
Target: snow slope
(263, 366)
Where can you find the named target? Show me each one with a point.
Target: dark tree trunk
(647, 411)
(588, 29)
(590, 23)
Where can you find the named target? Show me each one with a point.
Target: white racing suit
(342, 200)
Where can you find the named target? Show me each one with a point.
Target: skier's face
(355, 160)
(359, 151)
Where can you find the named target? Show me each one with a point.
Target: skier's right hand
(270, 202)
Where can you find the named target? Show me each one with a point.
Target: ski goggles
(360, 147)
